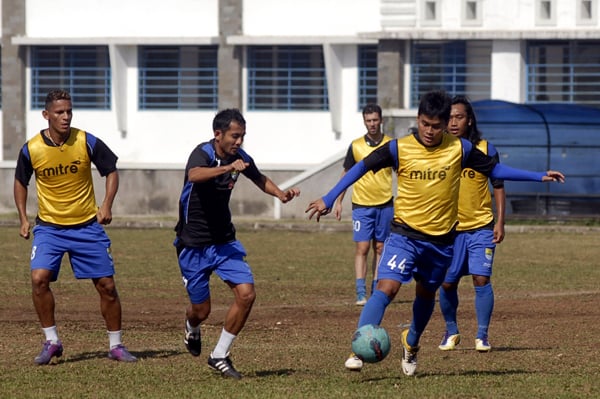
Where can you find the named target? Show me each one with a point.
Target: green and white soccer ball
(371, 343)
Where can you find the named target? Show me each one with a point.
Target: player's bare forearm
(200, 174)
(104, 213)
(20, 196)
(337, 208)
(500, 198)
(268, 186)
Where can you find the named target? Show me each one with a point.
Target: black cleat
(192, 341)
(224, 366)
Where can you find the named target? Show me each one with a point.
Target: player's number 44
(392, 263)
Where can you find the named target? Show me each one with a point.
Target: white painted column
(508, 71)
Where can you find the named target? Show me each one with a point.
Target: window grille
(178, 77)
(84, 71)
(563, 71)
(367, 75)
(287, 78)
(457, 67)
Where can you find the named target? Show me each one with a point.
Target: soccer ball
(371, 343)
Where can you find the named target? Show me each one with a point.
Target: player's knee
(40, 281)
(246, 297)
(426, 290)
(107, 289)
(449, 286)
(249, 298)
(200, 311)
(480, 281)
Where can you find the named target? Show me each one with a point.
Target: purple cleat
(49, 351)
(121, 354)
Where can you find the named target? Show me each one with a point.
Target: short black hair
(371, 108)
(56, 95)
(436, 104)
(223, 119)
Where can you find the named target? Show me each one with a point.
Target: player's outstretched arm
(505, 172)
(317, 207)
(337, 207)
(553, 175)
(323, 206)
(268, 186)
(289, 194)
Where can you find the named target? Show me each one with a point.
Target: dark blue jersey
(204, 214)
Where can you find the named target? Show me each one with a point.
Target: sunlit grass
(543, 330)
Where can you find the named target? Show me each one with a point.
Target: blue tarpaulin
(564, 137)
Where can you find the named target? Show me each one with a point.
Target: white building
(148, 76)
(301, 69)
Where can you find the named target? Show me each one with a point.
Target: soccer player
(68, 219)
(477, 234)
(429, 165)
(205, 236)
(372, 201)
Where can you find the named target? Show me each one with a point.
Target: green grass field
(544, 330)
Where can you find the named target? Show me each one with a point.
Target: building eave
(125, 41)
(482, 34)
(246, 40)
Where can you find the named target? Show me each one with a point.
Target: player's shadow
(518, 348)
(154, 354)
(278, 373)
(498, 349)
(465, 373)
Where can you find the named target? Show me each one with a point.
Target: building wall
(310, 17)
(13, 75)
(155, 143)
(155, 192)
(122, 19)
(275, 137)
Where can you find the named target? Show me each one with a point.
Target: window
(430, 15)
(367, 75)
(563, 71)
(545, 12)
(287, 78)
(471, 13)
(457, 67)
(84, 71)
(586, 12)
(178, 77)
(430, 10)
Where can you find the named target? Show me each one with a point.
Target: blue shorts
(404, 258)
(473, 254)
(226, 260)
(372, 223)
(88, 248)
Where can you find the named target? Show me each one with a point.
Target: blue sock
(374, 309)
(422, 311)
(448, 305)
(484, 305)
(361, 287)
